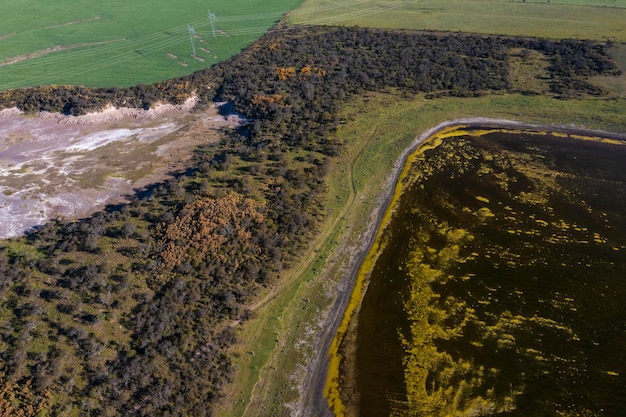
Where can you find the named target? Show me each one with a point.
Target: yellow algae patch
(598, 238)
(532, 198)
(332, 387)
(332, 390)
(613, 141)
(594, 138)
(480, 132)
(457, 235)
(484, 169)
(483, 199)
(455, 389)
(484, 212)
(599, 139)
(561, 224)
(426, 273)
(458, 382)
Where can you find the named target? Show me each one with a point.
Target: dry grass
(588, 19)
(615, 86)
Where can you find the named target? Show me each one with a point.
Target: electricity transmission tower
(212, 19)
(192, 38)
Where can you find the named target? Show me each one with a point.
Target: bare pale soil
(53, 165)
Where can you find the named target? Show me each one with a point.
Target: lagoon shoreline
(314, 401)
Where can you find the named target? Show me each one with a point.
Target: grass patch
(582, 19)
(20, 248)
(529, 70)
(615, 85)
(120, 43)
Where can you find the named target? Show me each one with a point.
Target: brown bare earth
(53, 165)
(56, 48)
(74, 22)
(36, 54)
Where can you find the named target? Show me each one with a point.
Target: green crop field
(582, 19)
(122, 43)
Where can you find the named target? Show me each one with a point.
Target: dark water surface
(502, 286)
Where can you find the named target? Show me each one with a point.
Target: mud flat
(53, 165)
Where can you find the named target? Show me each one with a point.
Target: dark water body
(513, 247)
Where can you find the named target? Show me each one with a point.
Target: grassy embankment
(121, 43)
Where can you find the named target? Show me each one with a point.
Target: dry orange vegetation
(213, 227)
(274, 98)
(284, 73)
(28, 403)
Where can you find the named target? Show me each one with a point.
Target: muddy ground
(63, 166)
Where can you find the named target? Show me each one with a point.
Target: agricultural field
(580, 19)
(121, 43)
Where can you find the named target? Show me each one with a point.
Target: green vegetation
(579, 19)
(144, 300)
(437, 64)
(122, 43)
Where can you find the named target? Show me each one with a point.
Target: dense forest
(128, 312)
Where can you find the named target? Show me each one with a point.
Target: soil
(56, 48)
(53, 165)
